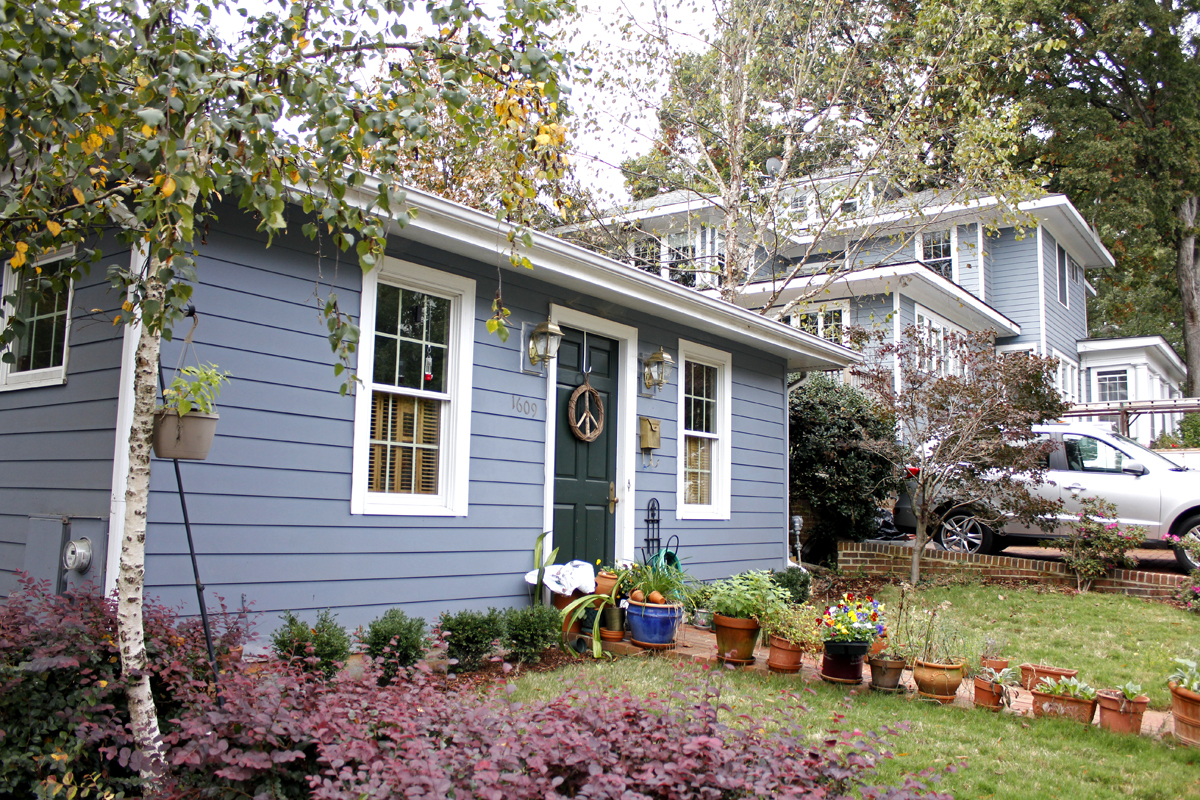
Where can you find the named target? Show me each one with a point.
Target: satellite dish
(774, 164)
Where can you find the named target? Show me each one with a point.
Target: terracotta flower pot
(1076, 708)
(843, 661)
(886, 672)
(995, 663)
(561, 602)
(1031, 674)
(785, 657)
(736, 638)
(939, 681)
(1117, 713)
(605, 581)
(989, 695)
(1185, 708)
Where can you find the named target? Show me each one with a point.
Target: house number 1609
(524, 406)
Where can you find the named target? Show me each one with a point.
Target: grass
(1110, 639)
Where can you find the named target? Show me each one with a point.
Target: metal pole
(187, 526)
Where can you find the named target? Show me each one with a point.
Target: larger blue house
(428, 486)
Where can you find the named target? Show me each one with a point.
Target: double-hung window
(705, 441)
(829, 321)
(937, 253)
(412, 413)
(39, 355)
(938, 334)
(1064, 267)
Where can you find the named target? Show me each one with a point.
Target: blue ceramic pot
(653, 625)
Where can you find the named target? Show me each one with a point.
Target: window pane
(697, 474)
(1085, 454)
(385, 360)
(45, 316)
(387, 309)
(410, 339)
(700, 398)
(1112, 386)
(405, 438)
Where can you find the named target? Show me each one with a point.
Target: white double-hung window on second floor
(412, 412)
(705, 436)
(827, 320)
(937, 252)
(39, 355)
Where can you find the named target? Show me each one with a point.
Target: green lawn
(1109, 639)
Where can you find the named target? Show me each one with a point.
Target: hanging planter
(187, 437)
(187, 422)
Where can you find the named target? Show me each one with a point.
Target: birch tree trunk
(130, 576)
(1189, 289)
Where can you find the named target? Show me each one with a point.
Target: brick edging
(890, 560)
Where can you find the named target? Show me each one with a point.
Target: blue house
(427, 487)
(857, 253)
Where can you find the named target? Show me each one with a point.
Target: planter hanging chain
(187, 524)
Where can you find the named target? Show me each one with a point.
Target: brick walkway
(700, 646)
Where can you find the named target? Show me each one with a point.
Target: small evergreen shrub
(395, 640)
(797, 581)
(471, 636)
(529, 631)
(321, 648)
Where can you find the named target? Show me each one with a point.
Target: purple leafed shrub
(353, 739)
(62, 695)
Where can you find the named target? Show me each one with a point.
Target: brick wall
(894, 561)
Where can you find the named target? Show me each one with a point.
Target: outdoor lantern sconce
(657, 369)
(543, 342)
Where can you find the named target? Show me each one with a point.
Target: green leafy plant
(1096, 545)
(1188, 592)
(529, 631)
(842, 482)
(1066, 687)
(1004, 680)
(699, 596)
(396, 640)
(797, 581)
(471, 636)
(1186, 675)
(856, 618)
(195, 388)
(747, 595)
(1130, 690)
(321, 648)
(657, 576)
(798, 624)
(994, 646)
(540, 564)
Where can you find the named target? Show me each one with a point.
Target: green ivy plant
(195, 388)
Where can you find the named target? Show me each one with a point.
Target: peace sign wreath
(586, 425)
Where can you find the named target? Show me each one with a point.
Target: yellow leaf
(127, 306)
(3, 114)
(147, 131)
(168, 187)
(17, 261)
(22, 247)
(54, 227)
(143, 81)
(79, 198)
(302, 43)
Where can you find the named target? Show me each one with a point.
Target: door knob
(612, 497)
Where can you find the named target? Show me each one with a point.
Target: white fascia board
(1070, 229)
(473, 234)
(1130, 345)
(913, 280)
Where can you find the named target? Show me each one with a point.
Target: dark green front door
(584, 527)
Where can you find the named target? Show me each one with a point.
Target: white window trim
(1068, 373)
(820, 309)
(1062, 276)
(722, 485)
(51, 376)
(945, 325)
(919, 239)
(1023, 347)
(1130, 387)
(455, 455)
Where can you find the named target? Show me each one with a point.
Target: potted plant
(994, 688)
(737, 604)
(186, 423)
(1064, 697)
(849, 629)
(1033, 674)
(1184, 683)
(893, 650)
(940, 662)
(699, 598)
(1121, 709)
(656, 594)
(791, 630)
(991, 653)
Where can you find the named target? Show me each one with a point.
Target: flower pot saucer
(846, 681)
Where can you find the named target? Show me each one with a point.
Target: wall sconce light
(543, 342)
(657, 369)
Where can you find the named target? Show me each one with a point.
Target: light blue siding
(56, 442)
(968, 258)
(1065, 325)
(1014, 283)
(271, 505)
(988, 247)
